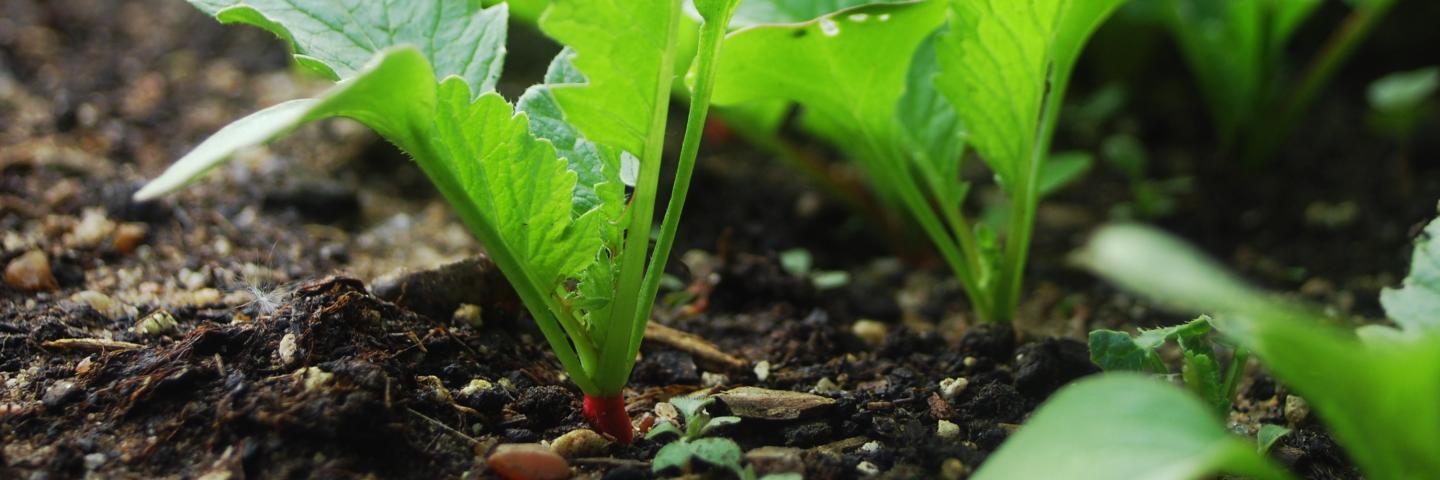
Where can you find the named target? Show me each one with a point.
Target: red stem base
(608, 415)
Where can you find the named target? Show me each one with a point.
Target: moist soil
(295, 315)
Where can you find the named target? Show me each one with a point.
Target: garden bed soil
(296, 314)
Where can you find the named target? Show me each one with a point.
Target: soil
(290, 317)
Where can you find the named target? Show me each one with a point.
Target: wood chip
(765, 404)
(704, 352)
(90, 344)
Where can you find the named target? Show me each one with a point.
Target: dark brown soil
(294, 356)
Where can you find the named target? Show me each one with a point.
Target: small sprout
(693, 443)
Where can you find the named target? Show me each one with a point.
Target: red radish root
(609, 417)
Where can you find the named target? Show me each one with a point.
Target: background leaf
(617, 49)
(339, 37)
(1121, 425)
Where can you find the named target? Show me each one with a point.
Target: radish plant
(904, 87)
(540, 185)
(1373, 386)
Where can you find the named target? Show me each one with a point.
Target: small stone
(766, 404)
(313, 377)
(952, 469)
(202, 297)
(870, 448)
(769, 460)
(84, 367)
(947, 430)
(867, 469)
(102, 303)
(668, 412)
(94, 461)
(579, 443)
(527, 461)
(711, 380)
(92, 229)
(30, 271)
(469, 314)
(951, 388)
(970, 361)
(159, 322)
(128, 236)
(1296, 409)
(61, 393)
(825, 386)
(871, 332)
(288, 351)
(762, 370)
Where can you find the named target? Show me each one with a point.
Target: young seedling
(694, 443)
(1371, 386)
(540, 185)
(1201, 368)
(903, 87)
(1236, 50)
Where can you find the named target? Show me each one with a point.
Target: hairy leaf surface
(339, 37)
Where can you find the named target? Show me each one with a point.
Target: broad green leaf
(517, 182)
(762, 12)
(339, 37)
(1120, 425)
(1005, 66)
(617, 48)
(1415, 306)
(1268, 435)
(595, 165)
(1366, 389)
(673, 456)
(847, 70)
(719, 422)
(662, 429)
(1202, 372)
(393, 95)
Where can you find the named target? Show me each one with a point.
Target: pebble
(61, 393)
(825, 385)
(867, 469)
(762, 370)
(30, 271)
(92, 229)
(768, 460)
(668, 412)
(469, 314)
(951, 388)
(711, 380)
(947, 430)
(579, 443)
(94, 461)
(766, 404)
(952, 469)
(870, 448)
(288, 350)
(871, 332)
(1296, 409)
(128, 236)
(527, 461)
(102, 303)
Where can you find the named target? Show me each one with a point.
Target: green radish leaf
(616, 48)
(1120, 425)
(674, 456)
(762, 12)
(719, 422)
(519, 184)
(930, 127)
(847, 70)
(1365, 388)
(1415, 306)
(721, 452)
(662, 429)
(393, 95)
(1005, 65)
(338, 38)
(1202, 372)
